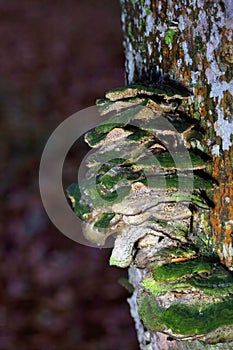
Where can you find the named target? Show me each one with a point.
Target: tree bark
(191, 42)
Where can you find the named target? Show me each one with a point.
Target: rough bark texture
(192, 42)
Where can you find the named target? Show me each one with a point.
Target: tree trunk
(192, 42)
(160, 176)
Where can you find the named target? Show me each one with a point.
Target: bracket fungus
(145, 184)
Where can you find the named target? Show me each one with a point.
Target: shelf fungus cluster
(145, 184)
(189, 299)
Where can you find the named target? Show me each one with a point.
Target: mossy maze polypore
(183, 320)
(198, 293)
(177, 270)
(130, 91)
(201, 273)
(140, 161)
(147, 178)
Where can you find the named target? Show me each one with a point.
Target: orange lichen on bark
(181, 259)
(221, 217)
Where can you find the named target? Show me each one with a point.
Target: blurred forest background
(56, 58)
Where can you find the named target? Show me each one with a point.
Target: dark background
(56, 58)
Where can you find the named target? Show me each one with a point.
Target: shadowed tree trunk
(192, 42)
